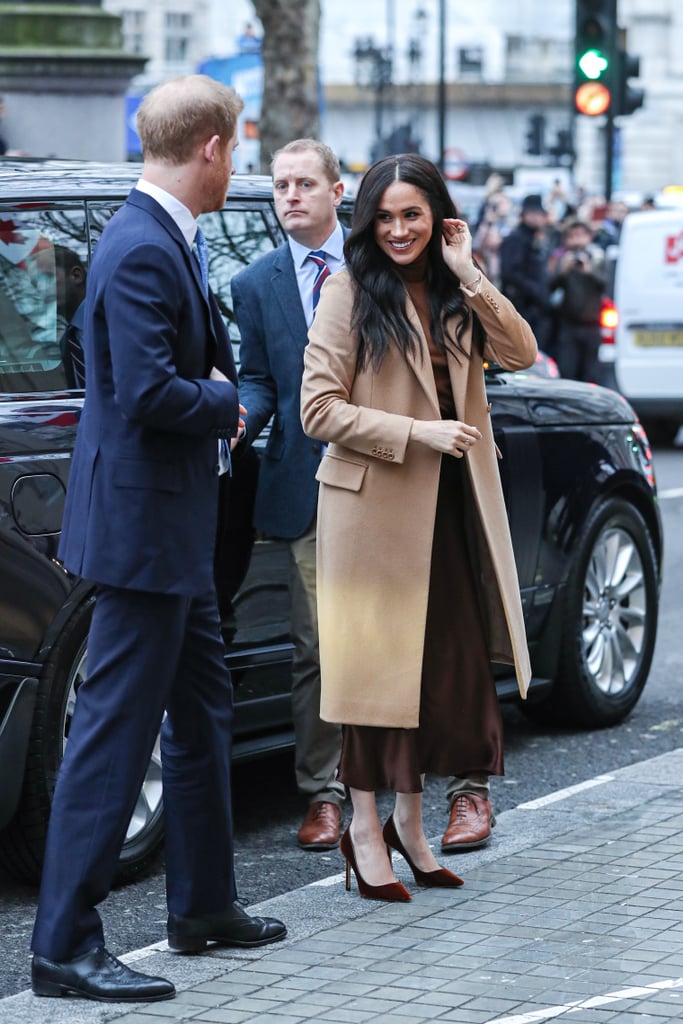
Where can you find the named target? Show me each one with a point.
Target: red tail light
(609, 319)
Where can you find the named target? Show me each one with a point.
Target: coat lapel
(421, 365)
(420, 361)
(146, 202)
(459, 369)
(286, 293)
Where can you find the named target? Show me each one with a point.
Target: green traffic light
(593, 64)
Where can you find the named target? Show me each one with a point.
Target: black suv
(576, 471)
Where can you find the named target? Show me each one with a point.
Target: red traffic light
(592, 98)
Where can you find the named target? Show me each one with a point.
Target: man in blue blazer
(274, 302)
(140, 521)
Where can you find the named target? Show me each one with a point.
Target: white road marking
(140, 954)
(672, 492)
(562, 794)
(611, 997)
(330, 880)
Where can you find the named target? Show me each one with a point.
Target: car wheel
(611, 607)
(22, 843)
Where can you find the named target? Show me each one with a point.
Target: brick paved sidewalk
(573, 911)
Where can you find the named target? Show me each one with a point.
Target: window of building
(178, 35)
(133, 25)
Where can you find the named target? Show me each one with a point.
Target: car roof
(26, 179)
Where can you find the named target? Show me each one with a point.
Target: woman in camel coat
(417, 586)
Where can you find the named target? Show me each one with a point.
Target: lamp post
(374, 70)
(441, 102)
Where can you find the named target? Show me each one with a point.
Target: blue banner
(244, 73)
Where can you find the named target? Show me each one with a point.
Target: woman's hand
(450, 436)
(456, 246)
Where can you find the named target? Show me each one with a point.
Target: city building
(481, 78)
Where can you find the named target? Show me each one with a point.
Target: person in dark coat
(523, 265)
(274, 300)
(577, 288)
(140, 522)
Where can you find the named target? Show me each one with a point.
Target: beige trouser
(477, 784)
(318, 743)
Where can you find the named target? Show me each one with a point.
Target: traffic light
(535, 136)
(563, 150)
(595, 44)
(627, 98)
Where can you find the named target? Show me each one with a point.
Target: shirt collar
(333, 246)
(174, 208)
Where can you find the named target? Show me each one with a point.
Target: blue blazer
(274, 335)
(142, 498)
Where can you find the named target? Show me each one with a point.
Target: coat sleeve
(510, 342)
(258, 391)
(327, 412)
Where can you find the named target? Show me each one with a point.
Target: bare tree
(290, 106)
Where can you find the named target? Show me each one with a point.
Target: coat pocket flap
(156, 476)
(341, 472)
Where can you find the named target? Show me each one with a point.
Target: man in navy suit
(274, 305)
(140, 521)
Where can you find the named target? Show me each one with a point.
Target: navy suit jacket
(274, 334)
(142, 499)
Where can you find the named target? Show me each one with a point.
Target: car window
(236, 237)
(43, 268)
(43, 272)
(99, 213)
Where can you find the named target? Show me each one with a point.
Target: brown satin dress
(460, 729)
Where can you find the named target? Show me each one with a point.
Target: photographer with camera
(576, 292)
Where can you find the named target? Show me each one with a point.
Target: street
(268, 809)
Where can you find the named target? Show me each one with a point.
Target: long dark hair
(379, 313)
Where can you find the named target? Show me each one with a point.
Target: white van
(648, 293)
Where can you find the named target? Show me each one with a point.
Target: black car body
(576, 470)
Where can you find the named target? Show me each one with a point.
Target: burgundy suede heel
(441, 878)
(393, 892)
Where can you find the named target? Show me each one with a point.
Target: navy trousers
(147, 653)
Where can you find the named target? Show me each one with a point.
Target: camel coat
(377, 505)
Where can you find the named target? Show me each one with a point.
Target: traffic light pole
(609, 155)
(441, 102)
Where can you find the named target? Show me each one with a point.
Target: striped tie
(322, 272)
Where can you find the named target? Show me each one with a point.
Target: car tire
(22, 842)
(611, 606)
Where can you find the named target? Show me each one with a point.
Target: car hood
(557, 402)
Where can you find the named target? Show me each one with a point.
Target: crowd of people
(549, 255)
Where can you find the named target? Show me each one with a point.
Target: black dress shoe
(231, 927)
(97, 975)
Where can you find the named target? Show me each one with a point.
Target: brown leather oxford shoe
(470, 823)
(321, 827)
